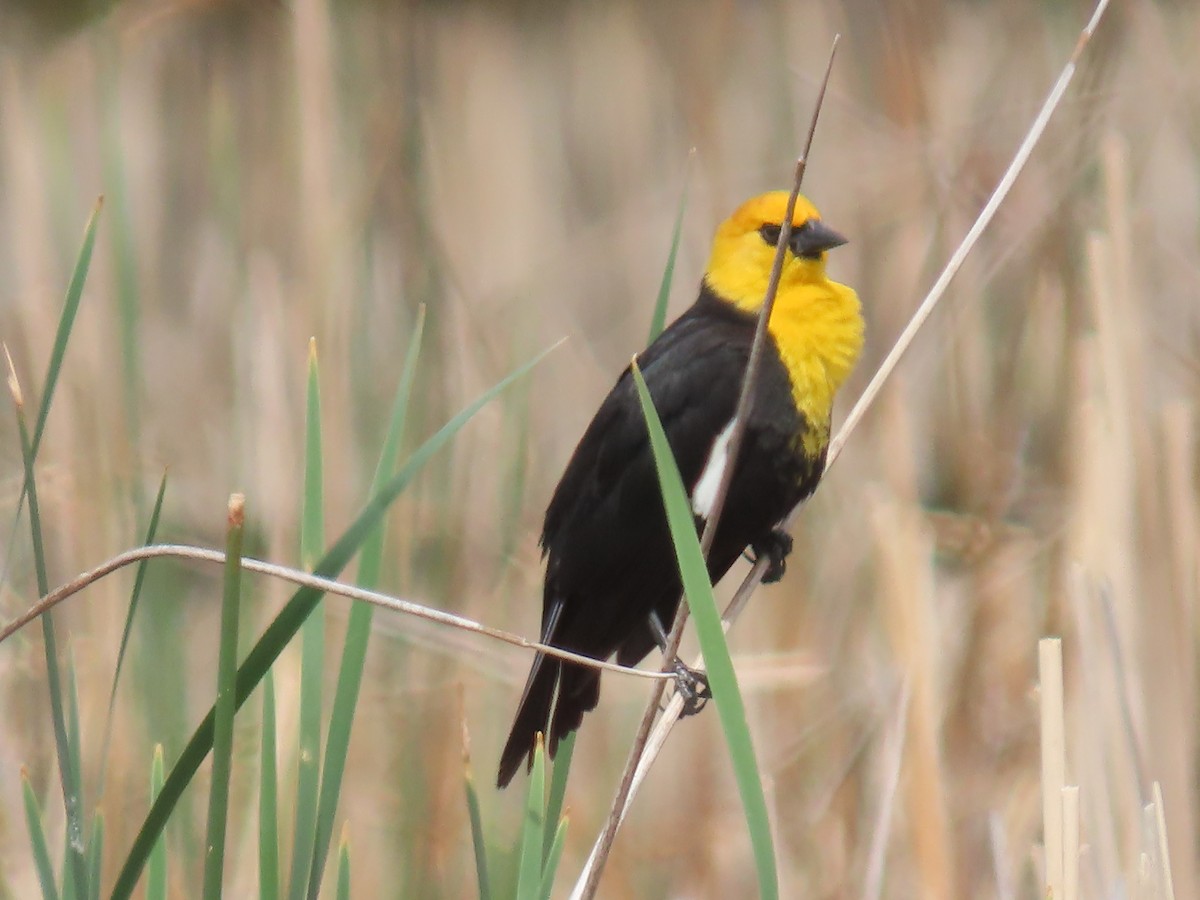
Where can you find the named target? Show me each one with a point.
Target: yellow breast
(818, 331)
(817, 326)
(816, 323)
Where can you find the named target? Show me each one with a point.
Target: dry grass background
(273, 172)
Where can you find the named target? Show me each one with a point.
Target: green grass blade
(659, 320)
(312, 519)
(135, 594)
(358, 628)
(477, 839)
(95, 856)
(529, 871)
(718, 664)
(312, 655)
(66, 321)
(74, 739)
(550, 866)
(71, 886)
(226, 705)
(37, 840)
(69, 890)
(72, 792)
(372, 552)
(156, 870)
(343, 869)
(268, 804)
(558, 791)
(285, 626)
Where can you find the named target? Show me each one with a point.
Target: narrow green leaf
(72, 793)
(135, 594)
(74, 741)
(558, 790)
(156, 870)
(69, 882)
(74, 733)
(66, 321)
(358, 628)
(477, 839)
(659, 320)
(37, 840)
(312, 519)
(268, 804)
(529, 871)
(284, 627)
(718, 664)
(226, 704)
(372, 552)
(550, 866)
(343, 869)
(95, 856)
(312, 655)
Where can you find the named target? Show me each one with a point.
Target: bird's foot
(692, 685)
(775, 546)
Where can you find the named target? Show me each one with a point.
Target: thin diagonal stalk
(317, 583)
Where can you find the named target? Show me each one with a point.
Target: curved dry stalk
(307, 579)
(657, 737)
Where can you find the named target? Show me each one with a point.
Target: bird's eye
(770, 234)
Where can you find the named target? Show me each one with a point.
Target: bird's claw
(692, 686)
(775, 546)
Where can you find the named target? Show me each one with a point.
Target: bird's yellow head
(816, 323)
(743, 250)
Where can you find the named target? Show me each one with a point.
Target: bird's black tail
(578, 692)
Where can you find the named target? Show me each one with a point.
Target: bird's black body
(610, 560)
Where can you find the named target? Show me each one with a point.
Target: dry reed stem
(1177, 735)
(893, 758)
(1054, 761)
(1166, 883)
(1098, 687)
(1116, 375)
(906, 556)
(1069, 800)
(1098, 495)
(306, 579)
(1000, 858)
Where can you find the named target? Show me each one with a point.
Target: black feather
(609, 557)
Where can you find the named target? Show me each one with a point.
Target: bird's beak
(813, 238)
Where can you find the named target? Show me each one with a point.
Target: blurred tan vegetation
(274, 171)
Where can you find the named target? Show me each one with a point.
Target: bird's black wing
(609, 558)
(609, 489)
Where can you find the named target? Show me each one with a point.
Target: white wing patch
(705, 491)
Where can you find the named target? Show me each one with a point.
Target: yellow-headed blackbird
(612, 581)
